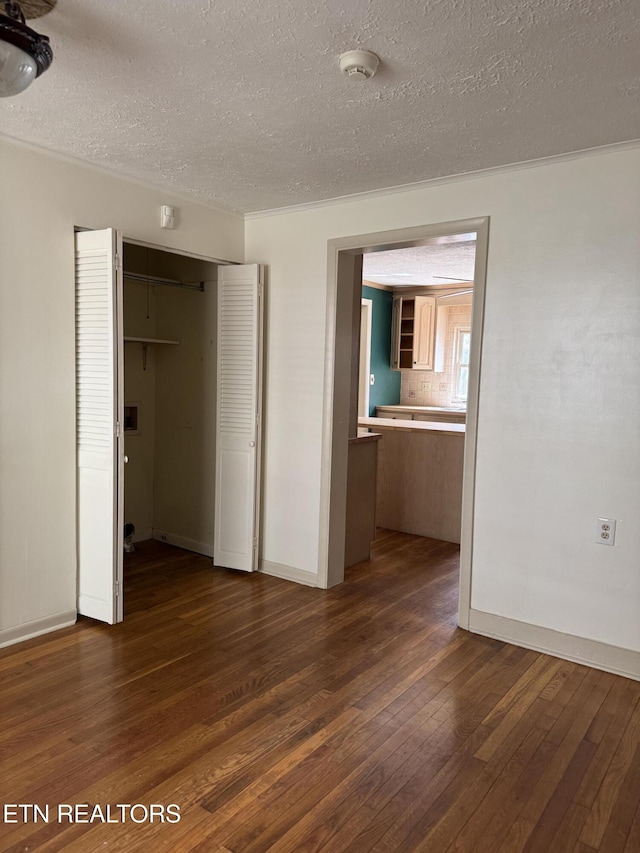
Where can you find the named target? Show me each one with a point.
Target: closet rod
(158, 280)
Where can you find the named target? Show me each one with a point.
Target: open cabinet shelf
(413, 324)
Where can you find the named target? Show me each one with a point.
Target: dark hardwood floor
(284, 718)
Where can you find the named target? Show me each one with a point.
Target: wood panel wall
(419, 482)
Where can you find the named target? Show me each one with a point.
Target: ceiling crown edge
(447, 179)
(123, 176)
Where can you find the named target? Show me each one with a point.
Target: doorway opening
(422, 298)
(345, 264)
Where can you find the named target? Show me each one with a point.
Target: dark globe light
(24, 53)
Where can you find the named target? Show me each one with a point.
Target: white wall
(185, 447)
(140, 387)
(559, 399)
(42, 199)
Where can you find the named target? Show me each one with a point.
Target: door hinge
(117, 588)
(118, 429)
(118, 260)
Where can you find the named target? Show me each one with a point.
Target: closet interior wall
(170, 476)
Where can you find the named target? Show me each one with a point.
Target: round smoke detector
(359, 64)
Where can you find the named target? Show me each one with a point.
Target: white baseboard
(28, 630)
(288, 573)
(567, 646)
(205, 548)
(143, 535)
(278, 570)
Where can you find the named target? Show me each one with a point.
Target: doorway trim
(364, 376)
(158, 247)
(341, 270)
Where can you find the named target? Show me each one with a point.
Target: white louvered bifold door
(99, 371)
(238, 435)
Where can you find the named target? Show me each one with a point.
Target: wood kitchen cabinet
(422, 413)
(413, 332)
(419, 484)
(393, 413)
(437, 417)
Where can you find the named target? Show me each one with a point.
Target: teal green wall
(386, 391)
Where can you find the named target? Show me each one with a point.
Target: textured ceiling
(241, 104)
(444, 262)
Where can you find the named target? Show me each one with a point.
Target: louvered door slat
(98, 404)
(238, 435)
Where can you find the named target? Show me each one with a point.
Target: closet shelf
(150, 341)
(156, 279)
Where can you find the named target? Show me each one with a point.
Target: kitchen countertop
(426, 409)
(416, 426)
(365, 435)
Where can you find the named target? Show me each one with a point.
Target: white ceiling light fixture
(24, 53)
(359, 64)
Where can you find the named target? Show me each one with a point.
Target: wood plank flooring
(283, 718)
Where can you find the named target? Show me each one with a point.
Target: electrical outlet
(372, 379)
(606, 531)
(412, 394)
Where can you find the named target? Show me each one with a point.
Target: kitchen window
(461, 352)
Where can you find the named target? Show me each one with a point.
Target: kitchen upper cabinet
(413, 332)
(424, 332)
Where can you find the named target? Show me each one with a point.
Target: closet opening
(170, 382)
(168, 409)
